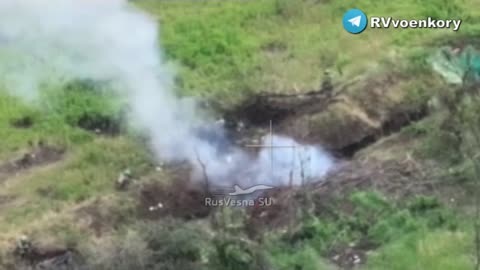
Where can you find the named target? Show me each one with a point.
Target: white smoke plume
(109, 40)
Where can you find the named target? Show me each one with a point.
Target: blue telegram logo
(355, 21)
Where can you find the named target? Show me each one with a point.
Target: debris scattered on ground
(178, 199)
(155, 207)
(40, 155)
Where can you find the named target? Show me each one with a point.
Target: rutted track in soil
(40, 156)
(369, 116)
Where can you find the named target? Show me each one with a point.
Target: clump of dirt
(179, 199)
(285, 202)
(41, 155)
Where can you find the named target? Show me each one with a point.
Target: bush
(422, 204)
(305, 258)
(233, 253)
(174, 246)
(83, 103)
(151, 246)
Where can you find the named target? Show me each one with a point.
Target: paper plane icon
(355, 21)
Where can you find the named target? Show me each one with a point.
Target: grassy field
(228, 50)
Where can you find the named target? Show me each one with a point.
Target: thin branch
(204, 171)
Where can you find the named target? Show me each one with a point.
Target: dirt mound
(41, 155)
(354, 115)
(178, 199)
(366, 110)
(262, 108)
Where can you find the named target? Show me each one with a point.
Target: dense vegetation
(228, 50)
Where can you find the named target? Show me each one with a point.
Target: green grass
(50, 130)
(87, 172)
(390, 226)
(55, 115)
(305, 257)
(439, 250)
(229, 49)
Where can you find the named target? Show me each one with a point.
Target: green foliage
(56, 115)
(289, 8)
(369, 201)
(370, 216)
(229, 49)
(92, 171)
(316, 233)
(441, 9)
(417, 62)
(443, 145)
(439, 250)
(152, 246)
(305, 258)
(83, 103)
(394, 225)
(174, 247)
(417, 129)
(423, 204)
(234, 253)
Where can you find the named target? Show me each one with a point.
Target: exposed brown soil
(40, 156)
(353, 116)
(48, 257)
(262, 108)
(179, 199)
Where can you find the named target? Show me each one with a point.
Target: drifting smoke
(108, 40)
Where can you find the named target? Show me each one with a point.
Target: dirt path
(40, 156)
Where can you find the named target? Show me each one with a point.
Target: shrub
(151, 246)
